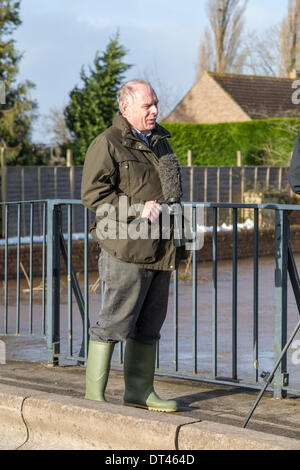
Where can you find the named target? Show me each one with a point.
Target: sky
(162, 37)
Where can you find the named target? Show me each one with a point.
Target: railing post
(3, 185)
(281, 270)
(234, 294)
(215, 294)
(53, 281)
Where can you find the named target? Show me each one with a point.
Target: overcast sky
(58, 37)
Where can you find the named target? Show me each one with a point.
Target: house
(224, 97)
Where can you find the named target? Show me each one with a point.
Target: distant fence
(200, 184)
(39, 183)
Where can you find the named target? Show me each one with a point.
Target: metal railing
(12, 221)
(55, 247)
(22, 244)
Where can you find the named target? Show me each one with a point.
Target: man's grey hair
(128, 90)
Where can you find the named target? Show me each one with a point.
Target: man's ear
(124, 107)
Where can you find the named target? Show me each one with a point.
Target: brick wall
(245, 245)
(245, 250)
(77, 259)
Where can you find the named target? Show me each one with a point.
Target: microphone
(170, 179)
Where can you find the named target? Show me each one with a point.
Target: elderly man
(123, 162)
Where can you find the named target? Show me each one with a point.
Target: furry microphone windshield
(170, 178)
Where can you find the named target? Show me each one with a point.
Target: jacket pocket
(124, 177)
(137, 251)
(138, 180)
(127, 247)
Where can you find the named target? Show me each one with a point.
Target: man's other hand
(151, 210)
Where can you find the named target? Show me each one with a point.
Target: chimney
(295, 73)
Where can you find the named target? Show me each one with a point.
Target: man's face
(141, 111)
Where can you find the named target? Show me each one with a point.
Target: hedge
(261, 142)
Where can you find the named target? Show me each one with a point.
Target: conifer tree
(92, 107)
(18, 112)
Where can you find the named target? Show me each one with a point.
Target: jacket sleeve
(294, 170)
(99, 183)
(99, 176)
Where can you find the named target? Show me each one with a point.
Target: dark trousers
(135, 302)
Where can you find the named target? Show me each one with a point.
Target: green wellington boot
(97, 369)
(139, 367)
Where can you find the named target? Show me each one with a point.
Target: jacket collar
(128, 136)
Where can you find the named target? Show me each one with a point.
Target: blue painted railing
(56, 248)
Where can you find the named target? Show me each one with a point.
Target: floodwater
(35, 348)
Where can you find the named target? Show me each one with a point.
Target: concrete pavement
(43, 407)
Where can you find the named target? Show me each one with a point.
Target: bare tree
(167, 92)
(276, 51)
(262, 52)
(55, 126)
(289, 39)
(226, 21)
(206, 58)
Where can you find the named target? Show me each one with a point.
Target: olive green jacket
(118, 164)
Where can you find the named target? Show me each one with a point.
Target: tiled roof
(260, 97)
